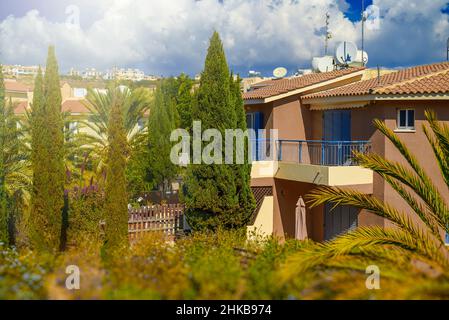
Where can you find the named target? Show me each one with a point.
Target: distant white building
(253, 74)
(19, 70)
(91, 73)
(125, 74)
(74, 72)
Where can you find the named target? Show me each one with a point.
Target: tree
(212, 192)
(4, 237)
(416, 240)
(163, 120)
(116, 198)
(133, 103)
(47, 143)
(247, 203)
(184, 101)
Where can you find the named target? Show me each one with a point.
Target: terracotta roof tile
(433, 84)
(21, 107)
(276, 87)
(12, 85)
(408, 80)
(75, 106)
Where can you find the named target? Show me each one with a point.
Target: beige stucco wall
(263, 225)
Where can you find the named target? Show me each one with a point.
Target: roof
(21, 107)
(12, 85)
(425, 79)
(75, 106)
(275, 87)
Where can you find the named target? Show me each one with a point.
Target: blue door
(336, 129)
(254, 120)
(339, 220)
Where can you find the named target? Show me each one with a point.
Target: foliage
(21, 274)
(85, 210)
(214, 193)
(184, 101)
(133, 104)
(414, 247)
(4, 236)
(163, 120)
(47, 142)
(116, 197)
(219, 265)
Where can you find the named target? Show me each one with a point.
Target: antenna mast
(447, 49)
(328, 34)
(363, 31)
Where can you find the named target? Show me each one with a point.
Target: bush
(21, 275)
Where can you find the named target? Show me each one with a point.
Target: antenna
(447, 48)
(328, 34)
(363, 29)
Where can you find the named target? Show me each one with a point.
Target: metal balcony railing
(317, 152)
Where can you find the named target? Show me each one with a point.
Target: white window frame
(398, 122)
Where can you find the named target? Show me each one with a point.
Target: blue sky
(169, 37)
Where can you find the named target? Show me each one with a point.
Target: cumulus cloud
(167, 37)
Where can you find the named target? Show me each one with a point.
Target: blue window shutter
(447, 238)
(259, 120)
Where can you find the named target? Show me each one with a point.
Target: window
(406, 119)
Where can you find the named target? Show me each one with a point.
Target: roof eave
(303, 89)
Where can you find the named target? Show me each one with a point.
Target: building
(18, 93)
(19, 70)
(126, 74)
(321, 119)
(91, 73)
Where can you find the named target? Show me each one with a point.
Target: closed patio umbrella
(301, 226)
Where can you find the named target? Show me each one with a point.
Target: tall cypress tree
(212, 193)
(246, 199)
(184, 101)
(47, 158)
(3, 201)
(162, 121)
(116, 204)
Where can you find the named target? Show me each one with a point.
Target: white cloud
(171, 36)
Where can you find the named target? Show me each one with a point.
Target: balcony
(311, 161)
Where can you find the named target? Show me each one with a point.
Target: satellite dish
(362, 56)
(279, 72)
(358, 61)
(346, 52)
(323, 64)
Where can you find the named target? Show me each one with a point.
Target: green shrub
(21, 274)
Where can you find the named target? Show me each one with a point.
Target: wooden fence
(168, 219)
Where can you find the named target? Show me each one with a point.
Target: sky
(170, 37)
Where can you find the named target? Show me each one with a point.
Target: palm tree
(134, 103)
(18, 173)
(416, 241)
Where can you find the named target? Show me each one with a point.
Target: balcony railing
(316, 152)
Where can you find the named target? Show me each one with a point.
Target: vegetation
(47, 145)
(116, 197)
(133, 105)
(61, 187)
(163, 120)
(412, 249)
(4, 236)
(215, 194)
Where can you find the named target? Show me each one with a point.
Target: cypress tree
(215, 194)
(184, 101)
(47, 142)
(162, 121)
(3, 201)
(116, 198)
(247, 203)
